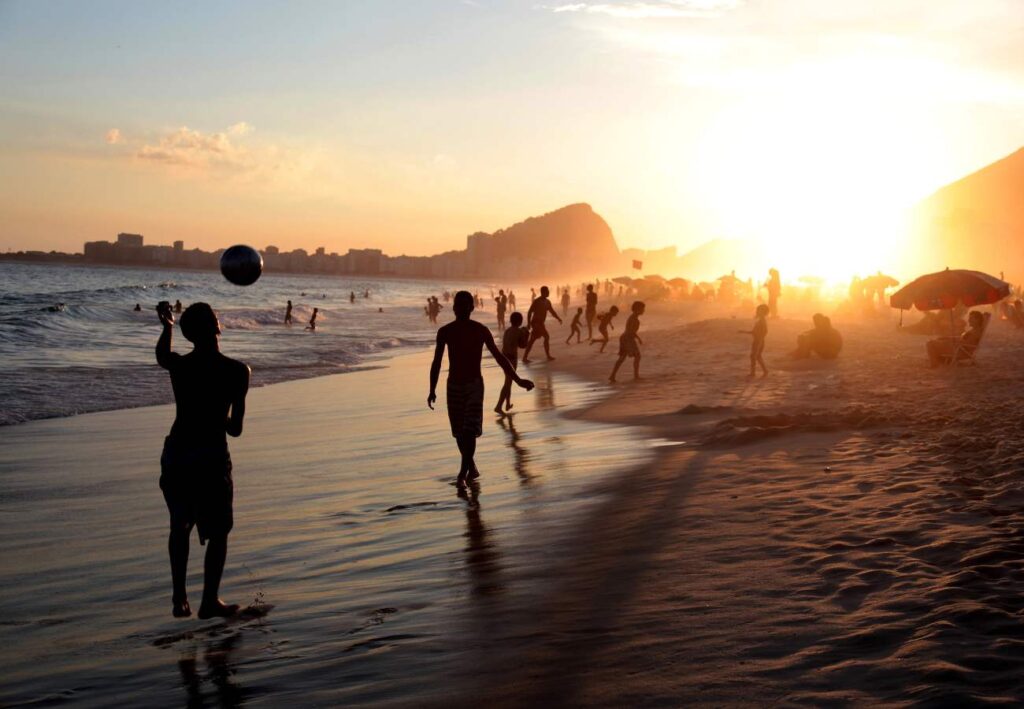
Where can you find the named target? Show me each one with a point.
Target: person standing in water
(629, 342)
(465, 339)
(511, 299)
(536, 316)
(312, 320)
(177, 307)
(288, 314)
(760, 333)
(195, 477)
(591, 311)
(575, 327)
(565, 302)
(502, 304)
(511, 341)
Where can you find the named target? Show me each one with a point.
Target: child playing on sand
(577, 329)
(604, 321)
(514, 338)
(465, 339)
(760, 332)
(629, 342)
(195, 477)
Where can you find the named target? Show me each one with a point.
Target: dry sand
(843, 532)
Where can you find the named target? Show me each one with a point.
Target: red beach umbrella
(945, 290)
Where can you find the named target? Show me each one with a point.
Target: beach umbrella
(680, 282)
(623, 280)
(728, 277)
(945, 290)
(656, 278)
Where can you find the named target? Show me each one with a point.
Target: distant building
(129, 240)
(179, 245)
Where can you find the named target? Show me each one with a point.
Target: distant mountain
(976, 222)
(718, 257)
(571, 240)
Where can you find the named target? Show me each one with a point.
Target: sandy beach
(841, 532)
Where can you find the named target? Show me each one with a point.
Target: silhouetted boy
(465, 340)
(576, 328)
(511, 341)
(629, 342)
(209, 393)
(760, 333)
(591, 310)
(288, 314)
(604, 321)
(536, 316)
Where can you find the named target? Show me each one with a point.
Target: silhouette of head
(501, 291)
(590, 288)
(762, 311)
(639, 307)
(614, 310)
(289, 302)
(199, 324)
(463, 304)
(516, 319)
(544, 291)
(579, 310)
(819, 320)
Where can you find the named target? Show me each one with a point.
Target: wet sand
(843, 532)
(345, 522)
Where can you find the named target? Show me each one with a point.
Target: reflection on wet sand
(220, 671)
(545, 391)
(521, 455)
(481, 554)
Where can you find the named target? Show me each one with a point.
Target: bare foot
(217, 609)
(508, 406)
(550, 358)
(497, 409)
(611, 380)
(473, 474)
(181, 609)
(526, 361)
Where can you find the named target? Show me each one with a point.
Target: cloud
(190, 148)
(113, 136)
(650, 10)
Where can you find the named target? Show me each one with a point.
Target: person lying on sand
(195, 477)
(629, 342)
(823, 340)
(760, 333)
(942, 350)
(465, 340)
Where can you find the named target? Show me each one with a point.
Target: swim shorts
(628, 346)
(198, 488)
(466, 408)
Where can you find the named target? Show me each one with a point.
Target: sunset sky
(407, 125)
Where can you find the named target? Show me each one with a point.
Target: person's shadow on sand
(522, 456)
(220, 671)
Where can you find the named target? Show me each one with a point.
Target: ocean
(96, 353)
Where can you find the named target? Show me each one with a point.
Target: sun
(822, 182)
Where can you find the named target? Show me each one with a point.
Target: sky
(406, 125)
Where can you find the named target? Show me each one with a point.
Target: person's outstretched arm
(237, 415)
(551, 309)
(435, 369)
(164, 355)
(503, 362)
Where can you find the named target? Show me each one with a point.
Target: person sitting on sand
(823, 340)
(514, 338)
(604, 321)
(288, 313)
(536, 316)
(465, 340)
(942, 350)
(629, 342)
(575, 327)
(312, 320)
(760, 333)
(209, 395)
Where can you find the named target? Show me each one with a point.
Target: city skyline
(404, 128)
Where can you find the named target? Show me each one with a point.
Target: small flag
(638, 265)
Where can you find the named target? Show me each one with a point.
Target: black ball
(242, 265)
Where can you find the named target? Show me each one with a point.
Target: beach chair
(963, 355)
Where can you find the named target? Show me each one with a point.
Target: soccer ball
(242, 265)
